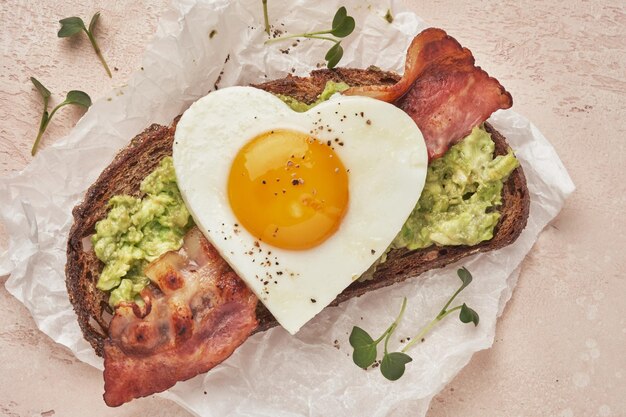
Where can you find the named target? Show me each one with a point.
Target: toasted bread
(142, 155)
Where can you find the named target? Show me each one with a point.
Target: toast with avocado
(409, 256)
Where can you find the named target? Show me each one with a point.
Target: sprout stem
(266, 17)
(302, 35)
(96, 48)
(429, 327)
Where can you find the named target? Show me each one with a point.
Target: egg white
(383, 150)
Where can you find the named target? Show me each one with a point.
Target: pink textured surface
(559, 348)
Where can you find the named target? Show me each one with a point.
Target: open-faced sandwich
(288, 194)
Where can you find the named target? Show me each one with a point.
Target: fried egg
(298, 204)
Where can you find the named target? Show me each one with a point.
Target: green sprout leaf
(334, 55)
(467, 315)
(75, 97)
(70, 26)
(340, 16)
(79, 98)
(364, 346)
(466, 277)
(345, 28)
(45, 93)
(393, 365)
(94, 21)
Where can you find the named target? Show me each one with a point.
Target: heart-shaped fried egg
(299, 204)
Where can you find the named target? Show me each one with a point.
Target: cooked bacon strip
(442, 90)
(200, 314)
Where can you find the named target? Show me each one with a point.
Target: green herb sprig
(342, 26)
(76, 97)
(393, 364)
(71, 26)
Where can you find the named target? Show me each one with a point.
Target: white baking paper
(273, 373)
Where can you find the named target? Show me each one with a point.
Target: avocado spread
(330, 88)
(462, 189)
(137, 231)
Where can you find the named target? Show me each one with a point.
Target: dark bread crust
(135, 162)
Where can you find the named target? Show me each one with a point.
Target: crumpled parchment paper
(273, 373)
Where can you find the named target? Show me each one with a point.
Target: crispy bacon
(442, 90)
(199, 314)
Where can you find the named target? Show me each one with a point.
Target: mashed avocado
(300, 106)
(462, 189)
(137, 231)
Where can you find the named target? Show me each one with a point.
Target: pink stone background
(560, 347)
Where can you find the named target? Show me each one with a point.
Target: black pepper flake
(362, 114)
(369, 122)
(313, 300)
(340, 143)
(328, 143)
(373, 251)
(264, 182)
(295, 182)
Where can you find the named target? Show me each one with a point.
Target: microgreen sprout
(393, 364)
(266, 18)
(76, 97)
(71, 26)
(342, 26)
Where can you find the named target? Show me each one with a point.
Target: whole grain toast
(142, 155)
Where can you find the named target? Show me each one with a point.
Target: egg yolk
(288, 189)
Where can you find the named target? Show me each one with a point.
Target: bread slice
(142, 155)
